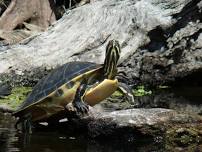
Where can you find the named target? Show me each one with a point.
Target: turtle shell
(55, 79)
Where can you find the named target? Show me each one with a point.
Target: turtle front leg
(78, 102)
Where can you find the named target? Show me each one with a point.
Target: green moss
(117, 94)
(16, 97)
(138, 91)
(189, 138)
(141, 91)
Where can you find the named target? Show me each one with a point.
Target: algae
(141, 91)
(16, 97)
(137, 92)
(188, 138)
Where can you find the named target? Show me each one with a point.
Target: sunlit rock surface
(141, 121)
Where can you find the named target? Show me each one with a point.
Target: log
(161, 41)
(5, 109)
(38, 12)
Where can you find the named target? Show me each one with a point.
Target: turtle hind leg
(78, 102)
(27, 126)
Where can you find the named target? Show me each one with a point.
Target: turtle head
(111, 59)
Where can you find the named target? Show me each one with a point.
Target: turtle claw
(81, 107)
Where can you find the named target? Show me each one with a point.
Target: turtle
(76, 82)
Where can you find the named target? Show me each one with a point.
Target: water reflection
(8, 136)
(12, 141)
(49, 142)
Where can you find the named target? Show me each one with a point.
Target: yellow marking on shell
(56, 104)
(68, 94)
(103, 90)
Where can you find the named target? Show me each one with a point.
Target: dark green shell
(57, 78)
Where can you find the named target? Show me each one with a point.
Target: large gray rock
(135, 119)
(167, 128)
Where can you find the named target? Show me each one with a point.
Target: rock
(172, 100)
(165, 128)
(5, 108)
(132, 125)
(139, 119)
(5, 90)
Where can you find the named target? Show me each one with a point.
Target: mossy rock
(189, 138)
(16, 97)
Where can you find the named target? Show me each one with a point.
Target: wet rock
(168, 129)
(133, 125)
(5, 108)
(145, 121)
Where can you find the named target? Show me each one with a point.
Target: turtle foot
(70, 108)
(81, 107)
